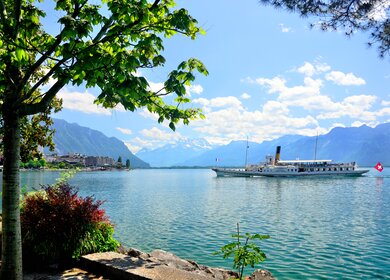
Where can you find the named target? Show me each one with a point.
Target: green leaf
(172, 126)
(20, 54)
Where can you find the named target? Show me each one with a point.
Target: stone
(158, 265)
(261, 274)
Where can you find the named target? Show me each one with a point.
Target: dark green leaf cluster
(349, 15)
(99, 46)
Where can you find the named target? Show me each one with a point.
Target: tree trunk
(11, 267)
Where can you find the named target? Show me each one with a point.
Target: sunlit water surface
(335, 228)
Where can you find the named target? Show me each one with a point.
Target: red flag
(379, 167)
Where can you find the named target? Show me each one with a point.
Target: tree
(101, 47)
(349, 15)
(119, 160)
(35, 132)
(127, 163)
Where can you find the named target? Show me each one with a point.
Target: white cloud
(83, 102)
(355, 106)
(148, 115)
(307, 95)
(322, 67)
(308, 69)
(124, 130)
(340, 78)
(285, 29)
(290, 110)
(233, 122)
(383, 112)
(161, 135)
(197, 89)
(153, 138)
(133, 148)
(385, 103)
(276, 84)
(245, 96)
(156, 87)
(138, 143)
(247, 80)
(219, 102)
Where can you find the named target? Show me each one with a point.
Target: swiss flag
(379, 167)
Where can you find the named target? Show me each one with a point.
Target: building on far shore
(99, 161)
(79, 159)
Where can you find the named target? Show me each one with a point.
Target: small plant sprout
(245, 253)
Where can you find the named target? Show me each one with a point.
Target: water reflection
(316, 225)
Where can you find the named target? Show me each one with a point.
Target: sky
(270, 75)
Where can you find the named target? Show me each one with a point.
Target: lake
(320, 227)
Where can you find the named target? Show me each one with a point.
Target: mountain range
(175, 154)
(73, 138)
(365, 145)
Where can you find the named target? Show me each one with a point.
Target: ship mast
(315, 149)
(246, 152)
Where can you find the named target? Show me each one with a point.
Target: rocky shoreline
(135, 264)
(158, 265)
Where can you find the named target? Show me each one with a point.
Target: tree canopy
(101, 46)
(349, 15)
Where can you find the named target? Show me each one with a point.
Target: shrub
(245, 253)
(58, 225)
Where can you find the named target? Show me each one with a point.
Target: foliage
(58, 224)
(128, 164)
(65, 177)
(103, 46)
(349, 15)
(104, 50)
(35, 132)
(247, 253)
(33, 164)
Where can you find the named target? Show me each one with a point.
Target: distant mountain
(233, 154)
(364, 144)
(174, 154)
(73, 138)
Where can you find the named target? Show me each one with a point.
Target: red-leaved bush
(58, 225)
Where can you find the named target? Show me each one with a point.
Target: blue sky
(270, 75)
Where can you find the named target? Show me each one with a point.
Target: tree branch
(3, 15)
(31, 109)
(47, 54)
(17, 12)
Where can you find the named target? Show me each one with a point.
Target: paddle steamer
(274, 167)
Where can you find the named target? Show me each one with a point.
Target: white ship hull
(227, 172)
(274, 167)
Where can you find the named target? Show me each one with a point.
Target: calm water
(335, 228)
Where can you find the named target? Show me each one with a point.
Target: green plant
(98, 239)
(247, 253)
(66, 176)
(58, 225)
